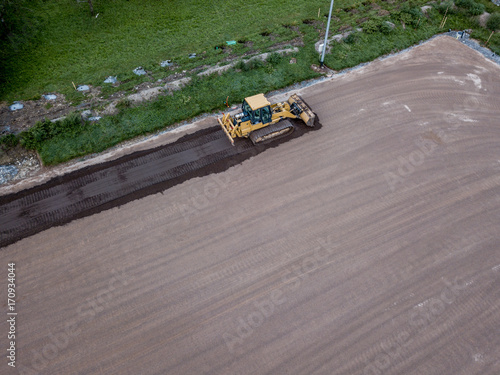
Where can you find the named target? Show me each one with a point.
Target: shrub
(446, 7)
(123, 103)
(409, 15)
(33, 138)
(8, 141)
(351, 38)
(371, 26)
(477, 9)
(493, 22)
(471, 6)
(386, 28)
(274, 58)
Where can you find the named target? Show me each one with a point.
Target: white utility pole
(326, 35)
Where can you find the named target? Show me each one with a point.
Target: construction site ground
(366, 246)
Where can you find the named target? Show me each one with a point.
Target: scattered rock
(390, 24)
(7, 173)
(293, 60)
(483, 18)
(145, 94)
(383, 12)
(86, 114)
(425, 8)
(316, 68)
(16, 106)
(496, 2)
(58, 119)
(178, 84)
(110, 79)
(95, 118)
(111, 109)
(139, 71)
(83, 88)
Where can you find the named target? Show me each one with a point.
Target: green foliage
(274, 58)
(123, 103)
(352, 38)
(42, 131)
(372, 26)
(409, 15)
(493, 22)
(385, 28)
(8, 141)
(371, 46)
(446, 7)
(248, 65)
(69, 46)
(472, 7)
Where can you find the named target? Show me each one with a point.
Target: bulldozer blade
(223, 126)
(306, 114)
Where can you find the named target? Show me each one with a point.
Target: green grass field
(71, 46)
(61, 43)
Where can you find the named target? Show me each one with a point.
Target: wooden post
(489, 38)
(443, 22)
(444, 18)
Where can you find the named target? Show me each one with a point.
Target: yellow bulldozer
(262, 121)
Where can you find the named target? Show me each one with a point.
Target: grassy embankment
(68, 45)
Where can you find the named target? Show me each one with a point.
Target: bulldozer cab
(258, 109)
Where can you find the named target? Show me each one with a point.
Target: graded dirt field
(367, 246)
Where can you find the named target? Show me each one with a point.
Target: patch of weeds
(386, 28)
(45, 130)
(274, 58)
(493, 22)
(35, 97)
(48, 106)
(446, 7)
(352, 38)
(8, 141)
(473, 8)
(123, 103)
(372, 26)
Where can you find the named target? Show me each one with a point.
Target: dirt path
(367, 247)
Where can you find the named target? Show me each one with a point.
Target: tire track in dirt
(104, 186)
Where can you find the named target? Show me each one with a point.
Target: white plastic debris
(16, 106)
(166, 63)
(94, 118)
(139, 71)
(83, 88)
(110, 79)
(50, 97)
(192, 55)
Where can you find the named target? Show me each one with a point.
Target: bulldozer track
(93, 189)
(31, 211)
(273, 132)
